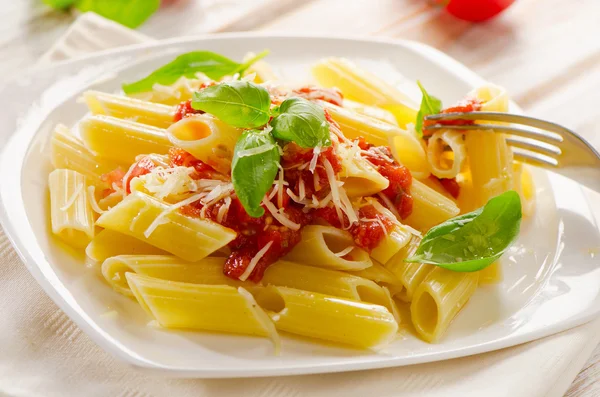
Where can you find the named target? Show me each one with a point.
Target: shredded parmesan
(161, 218)
(390, 206)
(223, 210)
(93, 202)
(255, 261)
(263, 318)
(218, 193)
(313, 162)
(73, 197)
(344, 252)
(301, 189)
(255, 150)
(280, 187)
(280, 215)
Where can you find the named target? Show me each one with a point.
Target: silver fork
(543, 143)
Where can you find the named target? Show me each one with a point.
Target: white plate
(551, 281)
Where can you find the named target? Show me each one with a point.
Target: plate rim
(114, 347)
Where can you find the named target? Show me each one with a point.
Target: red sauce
(367, 233)
(331, 95)
(181, 158)
(450, 185)
(398, 175)
(112, 179)
(185, 109)
(466, 105)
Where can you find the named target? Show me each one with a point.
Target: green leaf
(213, 65)
(238, 103)
(254, 168)
(473, 241)
(303, 122)
(429, 105)
(60, 4)
(131, 13)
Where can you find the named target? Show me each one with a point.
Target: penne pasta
(442, 143)
(371, 111)
(158, 224)
(360, 178)
(207, 139)
(325, 281)
(523, 184)
(122, 107)
(438, 299)
(109, 243)
(382, 276)
(360, 85)
(430, 208)
(329, 318)
(71, 214)
(223, 308)
(320, 246)
(69, 152)
(393, 242)
(490, 158)
(122, 140)
(166, 267)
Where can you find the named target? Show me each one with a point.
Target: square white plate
(551, 280)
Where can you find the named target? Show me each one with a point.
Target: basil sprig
(130, 13)
(473, 241)
(238, 103)
(429, 105)
(302, 122)
(254, 168)
(213, 65)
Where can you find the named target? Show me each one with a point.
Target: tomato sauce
(331, 95)
(450, 185)
(464, 106)
(398, 175)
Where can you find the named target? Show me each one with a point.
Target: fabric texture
(43, 353)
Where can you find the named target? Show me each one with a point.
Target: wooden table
(545, 52)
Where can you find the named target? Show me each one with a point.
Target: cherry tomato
(477, 10)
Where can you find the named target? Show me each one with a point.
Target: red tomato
(477, 10)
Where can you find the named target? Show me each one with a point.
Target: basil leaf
(429, 105)
(238, 103)
(473, 241)
(303, 122)
(213, 65)
(254, 168)
(59, 4)
(131, 13)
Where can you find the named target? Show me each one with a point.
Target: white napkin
(43, 353)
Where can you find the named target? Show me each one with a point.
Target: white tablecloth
(43, 353)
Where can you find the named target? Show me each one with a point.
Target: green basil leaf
(59, 4)
(254, 168)
(303, 122)
(429, 105)
(213, 65)
(131, 13)
(473, 241)
(238, 103)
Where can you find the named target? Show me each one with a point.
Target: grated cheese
(255, 261)
(344, 252)
(263, 318)
(280, 187)
(390, 206)
(73, 197)
(313, 162)
(280, 215)
(255, 150)
(224, 210)
(93, 201)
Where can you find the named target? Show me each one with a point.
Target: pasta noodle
(442, 165)
(438, 299)
(154, 114)
(109, 243)
(326, 317)
(69, 152)
(224, 308)
(321, 244)
(71, 213)
(207, 139)
(430, 207)
(122, 140)
(155, 223)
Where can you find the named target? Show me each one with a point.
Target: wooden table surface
(545, 52)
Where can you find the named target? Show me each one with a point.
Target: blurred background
(545, 52)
